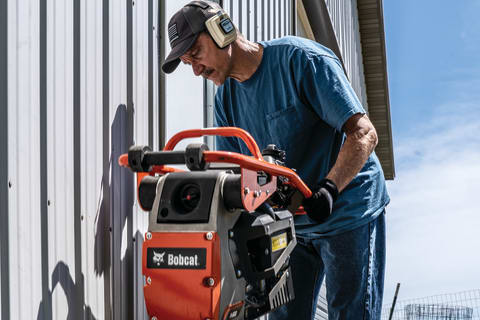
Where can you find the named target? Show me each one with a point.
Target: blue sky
(433, 240)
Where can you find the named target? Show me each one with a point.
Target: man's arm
(359, 144)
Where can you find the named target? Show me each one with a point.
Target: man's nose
(197, 68)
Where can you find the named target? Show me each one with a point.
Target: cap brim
(173, 59)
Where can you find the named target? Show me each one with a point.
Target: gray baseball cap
(184, 28)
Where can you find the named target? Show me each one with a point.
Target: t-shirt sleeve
(324, 85)
(220, 120)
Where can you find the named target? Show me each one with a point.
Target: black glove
(319, 205)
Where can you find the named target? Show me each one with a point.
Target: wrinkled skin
(208, 60)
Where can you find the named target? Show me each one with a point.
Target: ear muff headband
(220, 27)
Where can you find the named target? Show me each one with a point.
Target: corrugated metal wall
(24, 170)
(78, 85)
(80, 88)
(261, 20)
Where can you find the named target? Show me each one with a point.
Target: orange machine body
(200, 287)
(200, 268)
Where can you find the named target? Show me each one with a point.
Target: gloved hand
(319, 205)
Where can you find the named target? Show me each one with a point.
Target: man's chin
(217, 79)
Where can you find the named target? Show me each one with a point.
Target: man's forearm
(358, 146)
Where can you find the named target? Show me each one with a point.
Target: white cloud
(433, 236)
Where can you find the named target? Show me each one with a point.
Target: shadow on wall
(114, 212)
(61, 275)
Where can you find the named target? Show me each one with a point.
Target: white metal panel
(61, 260)
(260, 20)
(4, 243)
(321, 311)
(94, 182)
(142, 37)
(112, 75)
(344, 15)
(24, 154)
(121, 181)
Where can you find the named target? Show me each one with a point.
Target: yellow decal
(279, 242)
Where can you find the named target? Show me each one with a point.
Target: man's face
(208, 60)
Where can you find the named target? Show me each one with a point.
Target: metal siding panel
(344, 17)
(60, 157)
(92, 177)
(158, 46)
(142, 26)
(4, 232)
(121, 183)
(24, 147)
(81, 42)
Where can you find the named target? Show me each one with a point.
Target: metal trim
(46, 297)
(108, 311)
(274, 19)
(77, 186)
(4, 184)
(151, 27)
(255, 21)
(240, 15)
(248, 20)
(161, 23)
(293, 17)
(371, 24)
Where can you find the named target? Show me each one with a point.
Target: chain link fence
(454, 306)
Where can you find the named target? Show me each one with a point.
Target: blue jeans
(353, 264)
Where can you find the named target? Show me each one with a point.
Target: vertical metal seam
(279, 15)
(274, 19)
(293, 17)
(240, 15)
(77, 185)
(263, 20)
(268, 21)
(150, 73)
(231, 10)
(161, 76)
(106, 157)
(4, 184)
(248, 20)
(130, 118)
(255, 21)
(46, 297)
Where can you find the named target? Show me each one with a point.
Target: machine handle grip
(221, 131)
(164, 157)
(161, 169)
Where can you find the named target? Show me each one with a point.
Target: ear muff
(221, 29)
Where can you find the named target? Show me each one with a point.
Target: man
(293, 92)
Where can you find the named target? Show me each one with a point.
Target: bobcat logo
(158, 258)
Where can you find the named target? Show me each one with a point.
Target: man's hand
(319, 206)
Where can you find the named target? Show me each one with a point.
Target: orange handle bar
(245, 162)
(222, 131)
(252, 163)
(258, 165)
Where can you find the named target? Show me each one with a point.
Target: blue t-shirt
(299, 99)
